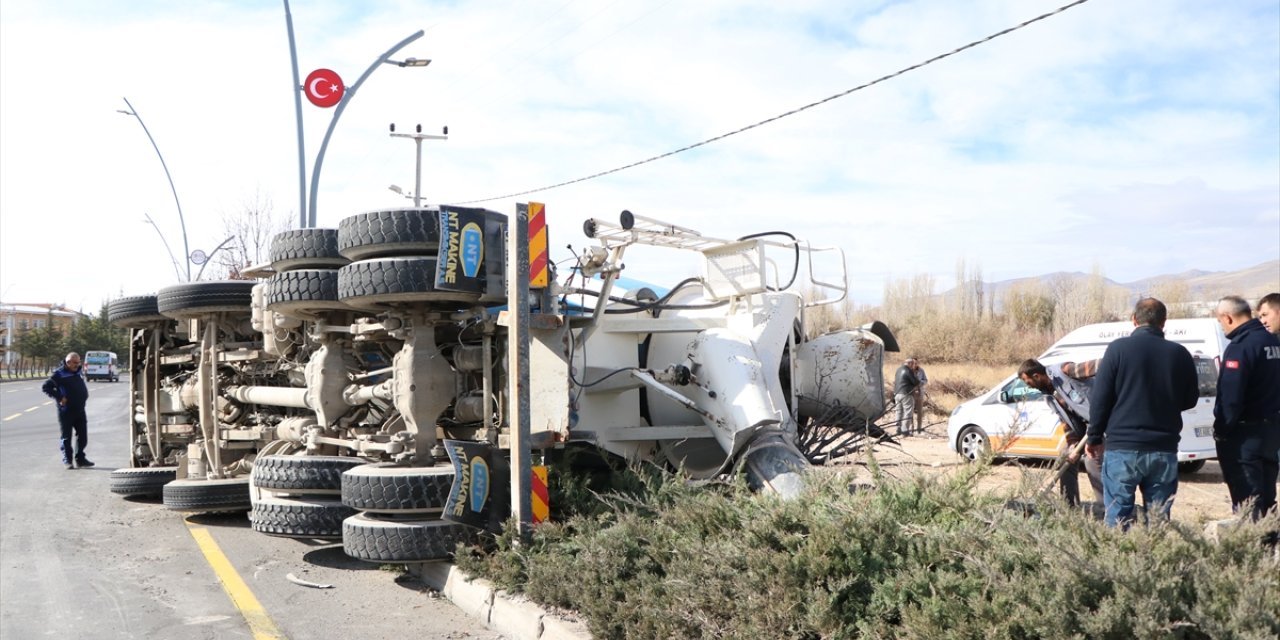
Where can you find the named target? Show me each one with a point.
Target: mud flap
(882, 331)
(481, 492)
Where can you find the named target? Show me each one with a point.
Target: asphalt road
(77, 561)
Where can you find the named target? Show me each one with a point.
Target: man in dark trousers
(1144, 383)
(67, 387)
(1066, 388)
(1246, 417)
(905, 383)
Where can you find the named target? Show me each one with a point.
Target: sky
(1134, 138)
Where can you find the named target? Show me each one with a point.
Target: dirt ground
(1202, 496)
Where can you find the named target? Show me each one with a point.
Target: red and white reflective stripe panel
(538, 276)
(540, 498)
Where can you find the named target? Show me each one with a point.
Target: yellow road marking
(32, 409)
(12, 417)
(260, 623)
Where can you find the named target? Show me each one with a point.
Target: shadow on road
(144, 499)
(233, 519)
(334, 557)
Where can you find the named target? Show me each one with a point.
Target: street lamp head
(415, 62)
(396, 189)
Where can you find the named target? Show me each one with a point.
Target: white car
(1014, 420)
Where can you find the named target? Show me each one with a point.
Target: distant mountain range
(1202, 286)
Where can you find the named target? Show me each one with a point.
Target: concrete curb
(509, 614)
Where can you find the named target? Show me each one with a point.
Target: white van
(101, 365)
(1014, 420)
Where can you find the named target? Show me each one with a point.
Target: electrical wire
(606, 376)
(638, 306)
(795, 244)
(792, 112)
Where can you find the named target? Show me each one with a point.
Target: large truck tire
(304, 290)
(299, 518)
(399, 232)
(374, 539)
(134, 311)
(143, 482)
(391, 489)
(208, 496)
(302, 474)
(394, 280)
(306, 249)
(193, 299)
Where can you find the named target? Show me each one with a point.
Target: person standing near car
(1269, 312)
(1066, 387)
(905, 384)
(920, 395)
(1144, 383)
(1246, 415)
(68, 389)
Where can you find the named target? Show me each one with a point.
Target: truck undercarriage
(318, 397)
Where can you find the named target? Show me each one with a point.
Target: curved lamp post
(186, 250)
(342, 104)
(209, 258)
(166, 245)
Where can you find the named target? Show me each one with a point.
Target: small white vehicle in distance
(101, 365)
(1014, 421)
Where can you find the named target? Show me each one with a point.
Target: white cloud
(1140, 136)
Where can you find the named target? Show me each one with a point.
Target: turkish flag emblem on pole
(324, 88)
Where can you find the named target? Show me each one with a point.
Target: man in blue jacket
(1246, 417)
(67, 387)
(1144, 383)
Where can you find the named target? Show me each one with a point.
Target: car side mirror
(1004, 397)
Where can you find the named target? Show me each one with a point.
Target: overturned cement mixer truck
(319, 396)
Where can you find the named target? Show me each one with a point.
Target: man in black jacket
(1246, 417)
(67, 387)
(905, 384)
(1144, 383)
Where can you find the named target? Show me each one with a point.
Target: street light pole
(166, 245)
(342, 105)
(186, 251)
(297, 108)
(209, 258)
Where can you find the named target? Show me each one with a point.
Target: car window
(1207, 372)
(1018, 391)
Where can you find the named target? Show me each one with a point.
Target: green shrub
(913, 558)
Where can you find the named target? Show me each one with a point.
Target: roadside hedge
(912, 558)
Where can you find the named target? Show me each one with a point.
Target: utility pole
(417, 140)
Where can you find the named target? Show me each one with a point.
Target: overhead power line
(788, 113)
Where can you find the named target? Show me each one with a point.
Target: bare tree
(906, 299)
(969, 291)
(1029, 306)
(251, 229)
(1080, 301)
(1176, 295)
